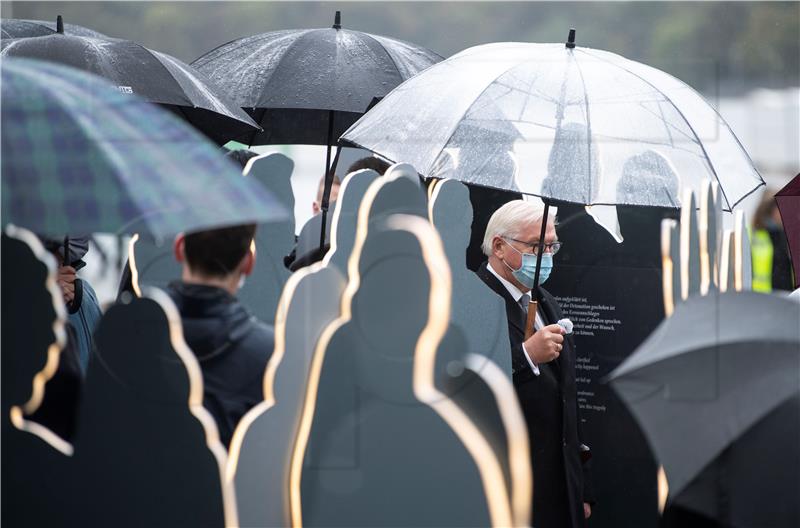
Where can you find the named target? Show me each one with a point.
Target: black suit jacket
(549, 403)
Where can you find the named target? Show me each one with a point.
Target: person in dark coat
(231, 345)
(307, 250)
(543, 367)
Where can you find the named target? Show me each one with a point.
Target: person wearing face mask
(231, 345)
(543, 366)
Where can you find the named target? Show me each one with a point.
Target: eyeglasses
(551, 248)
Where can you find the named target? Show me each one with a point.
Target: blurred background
(744, 57)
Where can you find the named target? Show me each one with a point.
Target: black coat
(549, 403)
(232, 347)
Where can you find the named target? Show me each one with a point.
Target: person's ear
(179, 248)
(249, 260)
(315, 207)
(498, 247)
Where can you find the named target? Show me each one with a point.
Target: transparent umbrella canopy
(561, 122)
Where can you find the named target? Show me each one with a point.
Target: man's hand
(587, 510)
(65, 278)
(545, 345)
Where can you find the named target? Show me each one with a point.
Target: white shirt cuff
(530, 361)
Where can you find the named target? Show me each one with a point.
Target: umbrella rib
(751, 191)
(386, 51)
(663, 120)
(666, 123)
(278, 63)
(169, 74)
(256, 38)
(525, 104)
(700, 143)
(541, 94)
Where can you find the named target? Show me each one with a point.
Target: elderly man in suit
(543, 365)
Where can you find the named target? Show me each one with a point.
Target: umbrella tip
(571, 38)
(337, 20)
(59, 25)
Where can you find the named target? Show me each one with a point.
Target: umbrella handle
(534, 304)
(531, 319)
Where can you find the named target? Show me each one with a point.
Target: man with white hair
(543, 366)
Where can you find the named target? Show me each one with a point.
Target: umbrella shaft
(540, 252)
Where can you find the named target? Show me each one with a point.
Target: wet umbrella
(309, 85)
(298, 83)
(20, 28)
(788, 200)
(716, 390)
(584, 117)
(79, 157)
(157, 77)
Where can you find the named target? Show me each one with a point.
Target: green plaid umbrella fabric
(78, 156)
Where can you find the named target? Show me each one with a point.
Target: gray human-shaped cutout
(274, 240)
(711, 217)
(690, 247)
(476, 311)
(345, 218)
(384, 447)
(263, 443)
(152, 262)
(478, 331)
(147, 452)
(36, 461)
(487, 395)
(727, 261)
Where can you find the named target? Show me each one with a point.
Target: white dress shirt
(517, 294)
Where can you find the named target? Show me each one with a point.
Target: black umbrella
(716, 389)
(20, 28)
(155, 76)
(309, 85)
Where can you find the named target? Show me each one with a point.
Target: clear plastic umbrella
(560, 122)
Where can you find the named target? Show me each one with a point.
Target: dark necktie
(524, 301)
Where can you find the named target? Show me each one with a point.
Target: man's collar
(515, 292)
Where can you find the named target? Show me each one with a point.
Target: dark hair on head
(217, 252)
(764, 210)
(241, 156)
(370, 162)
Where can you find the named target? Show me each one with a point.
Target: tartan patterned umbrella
(80, 157)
